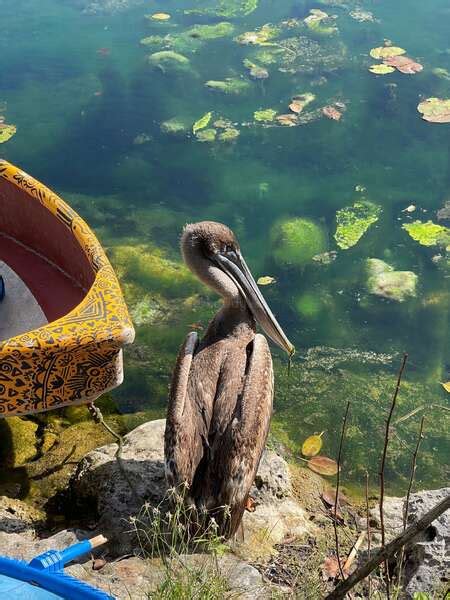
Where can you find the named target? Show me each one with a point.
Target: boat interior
(45, 271)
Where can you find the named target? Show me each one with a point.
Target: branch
(389, 550)
(383, 464)
(369, 534)
(336, 538)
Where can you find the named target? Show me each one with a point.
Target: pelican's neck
(233, 321)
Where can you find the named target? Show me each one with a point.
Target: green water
(80, 92)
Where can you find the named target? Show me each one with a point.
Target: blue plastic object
(43, 578)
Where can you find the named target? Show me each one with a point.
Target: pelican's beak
(235, 267)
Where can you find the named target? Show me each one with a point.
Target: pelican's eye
(230, 252)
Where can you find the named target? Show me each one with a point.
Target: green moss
(232, 86)
(255, 71)
(315, 23)
(228, 135)
(18, 444)
(354, 221)
(153, 40)
(150, 268)
(296, 241)
(259, 37)
(428, 234)
(308, 305)
(206, 135)
(176, 126)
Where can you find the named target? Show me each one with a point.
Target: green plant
(187, 545)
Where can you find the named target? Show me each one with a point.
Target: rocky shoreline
(288, 535)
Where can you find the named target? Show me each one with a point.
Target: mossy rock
(232, 86)
(296, 241)
(393, 285)
(18, 442)
(211, 32)
(176, 126)
(76, 414)
(169, 61)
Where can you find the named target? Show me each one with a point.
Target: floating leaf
(266, 280)
(289, 120)
(323, 465)
(446, 386)
(435, 110)
(428, 234)
(160, 16)
(331, 113)
(6, 132)
(404, 64)
(312, 445)
(354, 221)
(266, 115)
(300, 101)
(386, 52)
(202, 122)
(381, 69)
(329, 496)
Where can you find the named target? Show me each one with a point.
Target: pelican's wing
(179, 438)
(236, 453)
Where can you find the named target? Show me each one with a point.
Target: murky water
(89, 111)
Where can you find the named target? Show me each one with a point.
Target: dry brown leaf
(250, 504)
(323, 465)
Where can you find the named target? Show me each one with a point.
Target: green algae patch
(227, 9)
(211, 32)
(354, 221)
(228, 135)
(308, 305)
(18, 443)
(6, 132)
(265, 116)
(255, 71)
(149, 267)
(259, 37)
(202, 122)
(316, 20)
(384, 281)
(296, 241)
(176, 126)
(206, 135)
(232, 86)
(428, 234)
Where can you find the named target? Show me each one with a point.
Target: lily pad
(435, 110)
(288, 120)
(428, 234)
(404, 64)
(300, 101)
(383, 52)
(202, 122)
(161, 16)
(381, 69)
(266, 280)
(312, 445)
(323, 465)
(268, 115)
(446, 386)
(354, 221)
(6, 132)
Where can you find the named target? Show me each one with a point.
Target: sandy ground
(19, 311)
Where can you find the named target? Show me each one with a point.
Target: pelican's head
(212, 252)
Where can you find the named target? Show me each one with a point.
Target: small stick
(354, 551)
(389, 550)
(382, 467)
(408, 493)
(336, 538)
(369, 536)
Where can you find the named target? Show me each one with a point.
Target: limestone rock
(18, 517)
(99, 483)
(385, 282)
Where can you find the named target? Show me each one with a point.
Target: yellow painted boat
(63, 319)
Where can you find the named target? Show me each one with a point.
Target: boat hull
(77, 356)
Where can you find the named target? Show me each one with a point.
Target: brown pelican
(220, 401)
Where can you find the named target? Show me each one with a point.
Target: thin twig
(369, 533)
(408, 493)
(389, 550)
(382, 467)
(336, 537)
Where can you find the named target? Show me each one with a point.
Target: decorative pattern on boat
(76, 358)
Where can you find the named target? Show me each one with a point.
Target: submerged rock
(383, 281)
(176, 126)
(231, 85)
(168, 61)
